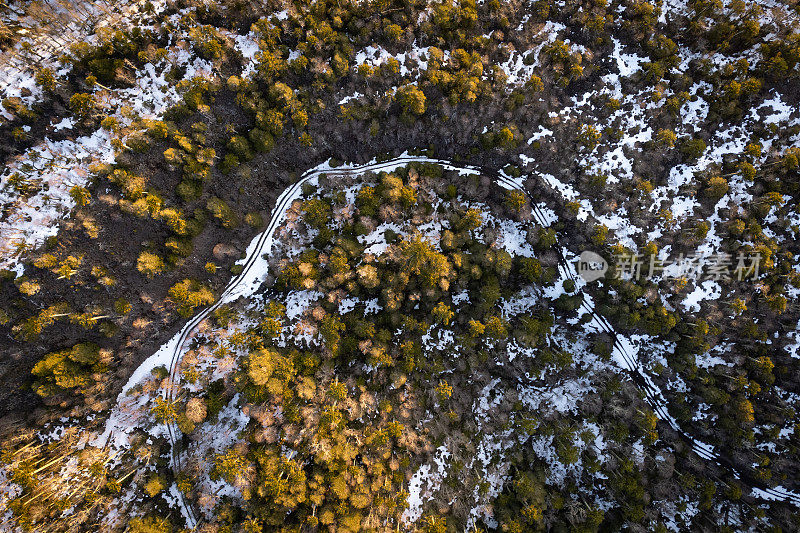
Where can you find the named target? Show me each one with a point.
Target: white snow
(57, 167)
(707, 290)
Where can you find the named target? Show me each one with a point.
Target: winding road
(254, 268)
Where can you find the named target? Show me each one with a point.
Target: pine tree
(411, 99)
(150, 264)
(443, 313)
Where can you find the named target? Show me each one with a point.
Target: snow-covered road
(255, 267)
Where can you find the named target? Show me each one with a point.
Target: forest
(314, 266)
